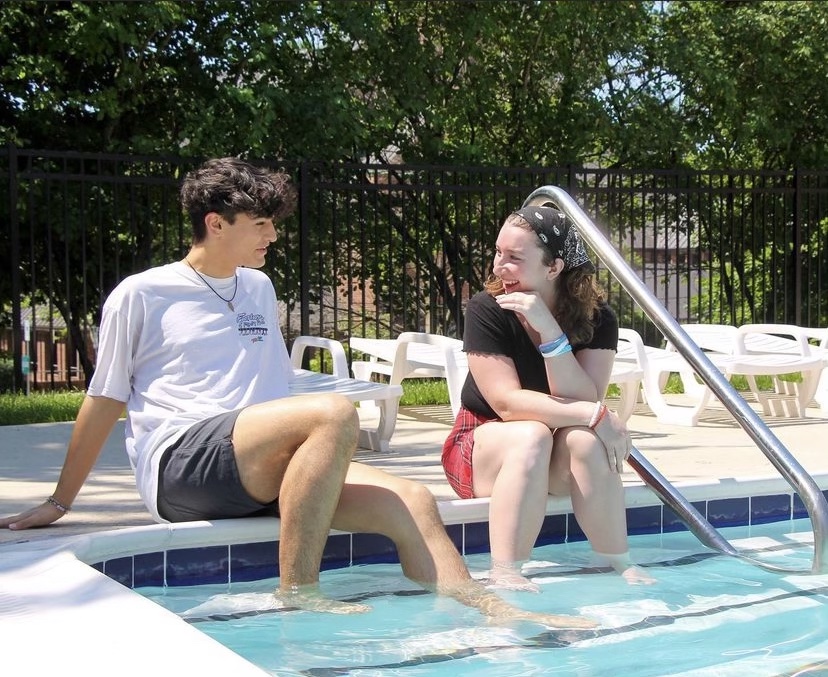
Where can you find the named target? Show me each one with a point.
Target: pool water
(707, 614)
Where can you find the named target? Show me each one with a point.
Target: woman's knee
(532, 441)
(529, 435)
(583, 446)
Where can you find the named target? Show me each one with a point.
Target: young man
(194, 350)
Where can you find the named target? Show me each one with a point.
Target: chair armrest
(819, 334)
(340, 361)
(636, 347)
(773, 341)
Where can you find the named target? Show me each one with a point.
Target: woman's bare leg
(597, 498)
(511, 462)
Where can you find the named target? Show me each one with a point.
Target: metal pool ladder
(751, 422)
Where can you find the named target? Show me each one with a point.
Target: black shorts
(198, 477)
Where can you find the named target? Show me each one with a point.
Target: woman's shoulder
(483, 303)
(605, 313)
(605, 322)
(482, 299)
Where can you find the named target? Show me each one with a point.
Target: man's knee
(340, 412)
(418, 498)
(331, 407)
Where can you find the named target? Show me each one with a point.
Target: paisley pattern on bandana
(558, 235)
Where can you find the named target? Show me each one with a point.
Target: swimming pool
(707, 615)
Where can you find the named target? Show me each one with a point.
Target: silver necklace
(229, 301)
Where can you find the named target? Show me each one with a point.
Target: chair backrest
(714, 338)
(340, 361)
(772, 338)
(449, 356)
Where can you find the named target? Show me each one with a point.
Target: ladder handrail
(804, 485)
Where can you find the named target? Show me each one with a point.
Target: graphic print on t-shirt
(252, 325)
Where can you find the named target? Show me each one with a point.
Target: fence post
(304, 248)
(797, 245)
(16, 285)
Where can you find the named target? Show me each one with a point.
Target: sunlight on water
(707, 615)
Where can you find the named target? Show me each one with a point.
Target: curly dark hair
(229, 186)
(578, 297)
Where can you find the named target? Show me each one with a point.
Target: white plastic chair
(384, 396)
(414, 354)
(767, 349)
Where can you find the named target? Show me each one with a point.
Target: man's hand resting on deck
(41, 516)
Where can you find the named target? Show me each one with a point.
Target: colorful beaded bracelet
(53, 501)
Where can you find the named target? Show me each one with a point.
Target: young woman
(541, 343)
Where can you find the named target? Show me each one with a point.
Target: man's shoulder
(150, 280)
(253, 274)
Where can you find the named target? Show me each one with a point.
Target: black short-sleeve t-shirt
(493, 331)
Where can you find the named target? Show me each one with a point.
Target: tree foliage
(451, 83)
(528, 82)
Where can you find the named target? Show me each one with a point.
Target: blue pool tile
(148, 569)
(644, 520)
(764, 509)
(574, 533)
(455, 533)
(337, 552)
(799, 509)
(553, 530)
(476, 538)
(728, 512)
(120, 570)
(192, 566)
(373, 549)
(254, 561)
(670, 521)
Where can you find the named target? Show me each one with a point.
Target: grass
(48, 407)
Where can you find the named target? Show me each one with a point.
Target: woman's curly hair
(578, 297)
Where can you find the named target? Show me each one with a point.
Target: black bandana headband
(558, 234)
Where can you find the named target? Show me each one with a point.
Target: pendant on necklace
(231, 306)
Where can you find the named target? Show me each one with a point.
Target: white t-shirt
(177, 354)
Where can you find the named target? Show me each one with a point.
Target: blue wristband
(560, 350)
(549, 347)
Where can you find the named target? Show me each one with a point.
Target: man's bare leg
(299, 449)
(406, 512)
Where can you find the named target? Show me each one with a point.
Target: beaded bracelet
(595, 414)
(601, 414)
(53, 501)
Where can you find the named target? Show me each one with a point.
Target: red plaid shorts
(457, 452)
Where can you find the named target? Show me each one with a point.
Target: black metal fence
(376, 249)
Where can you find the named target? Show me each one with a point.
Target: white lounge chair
(820, 337)
(770, 350)
(414, 354)
(386, 397)
(781, 340)
(656, 364)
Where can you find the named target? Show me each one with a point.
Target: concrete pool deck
(716, 453)
(60, 616)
